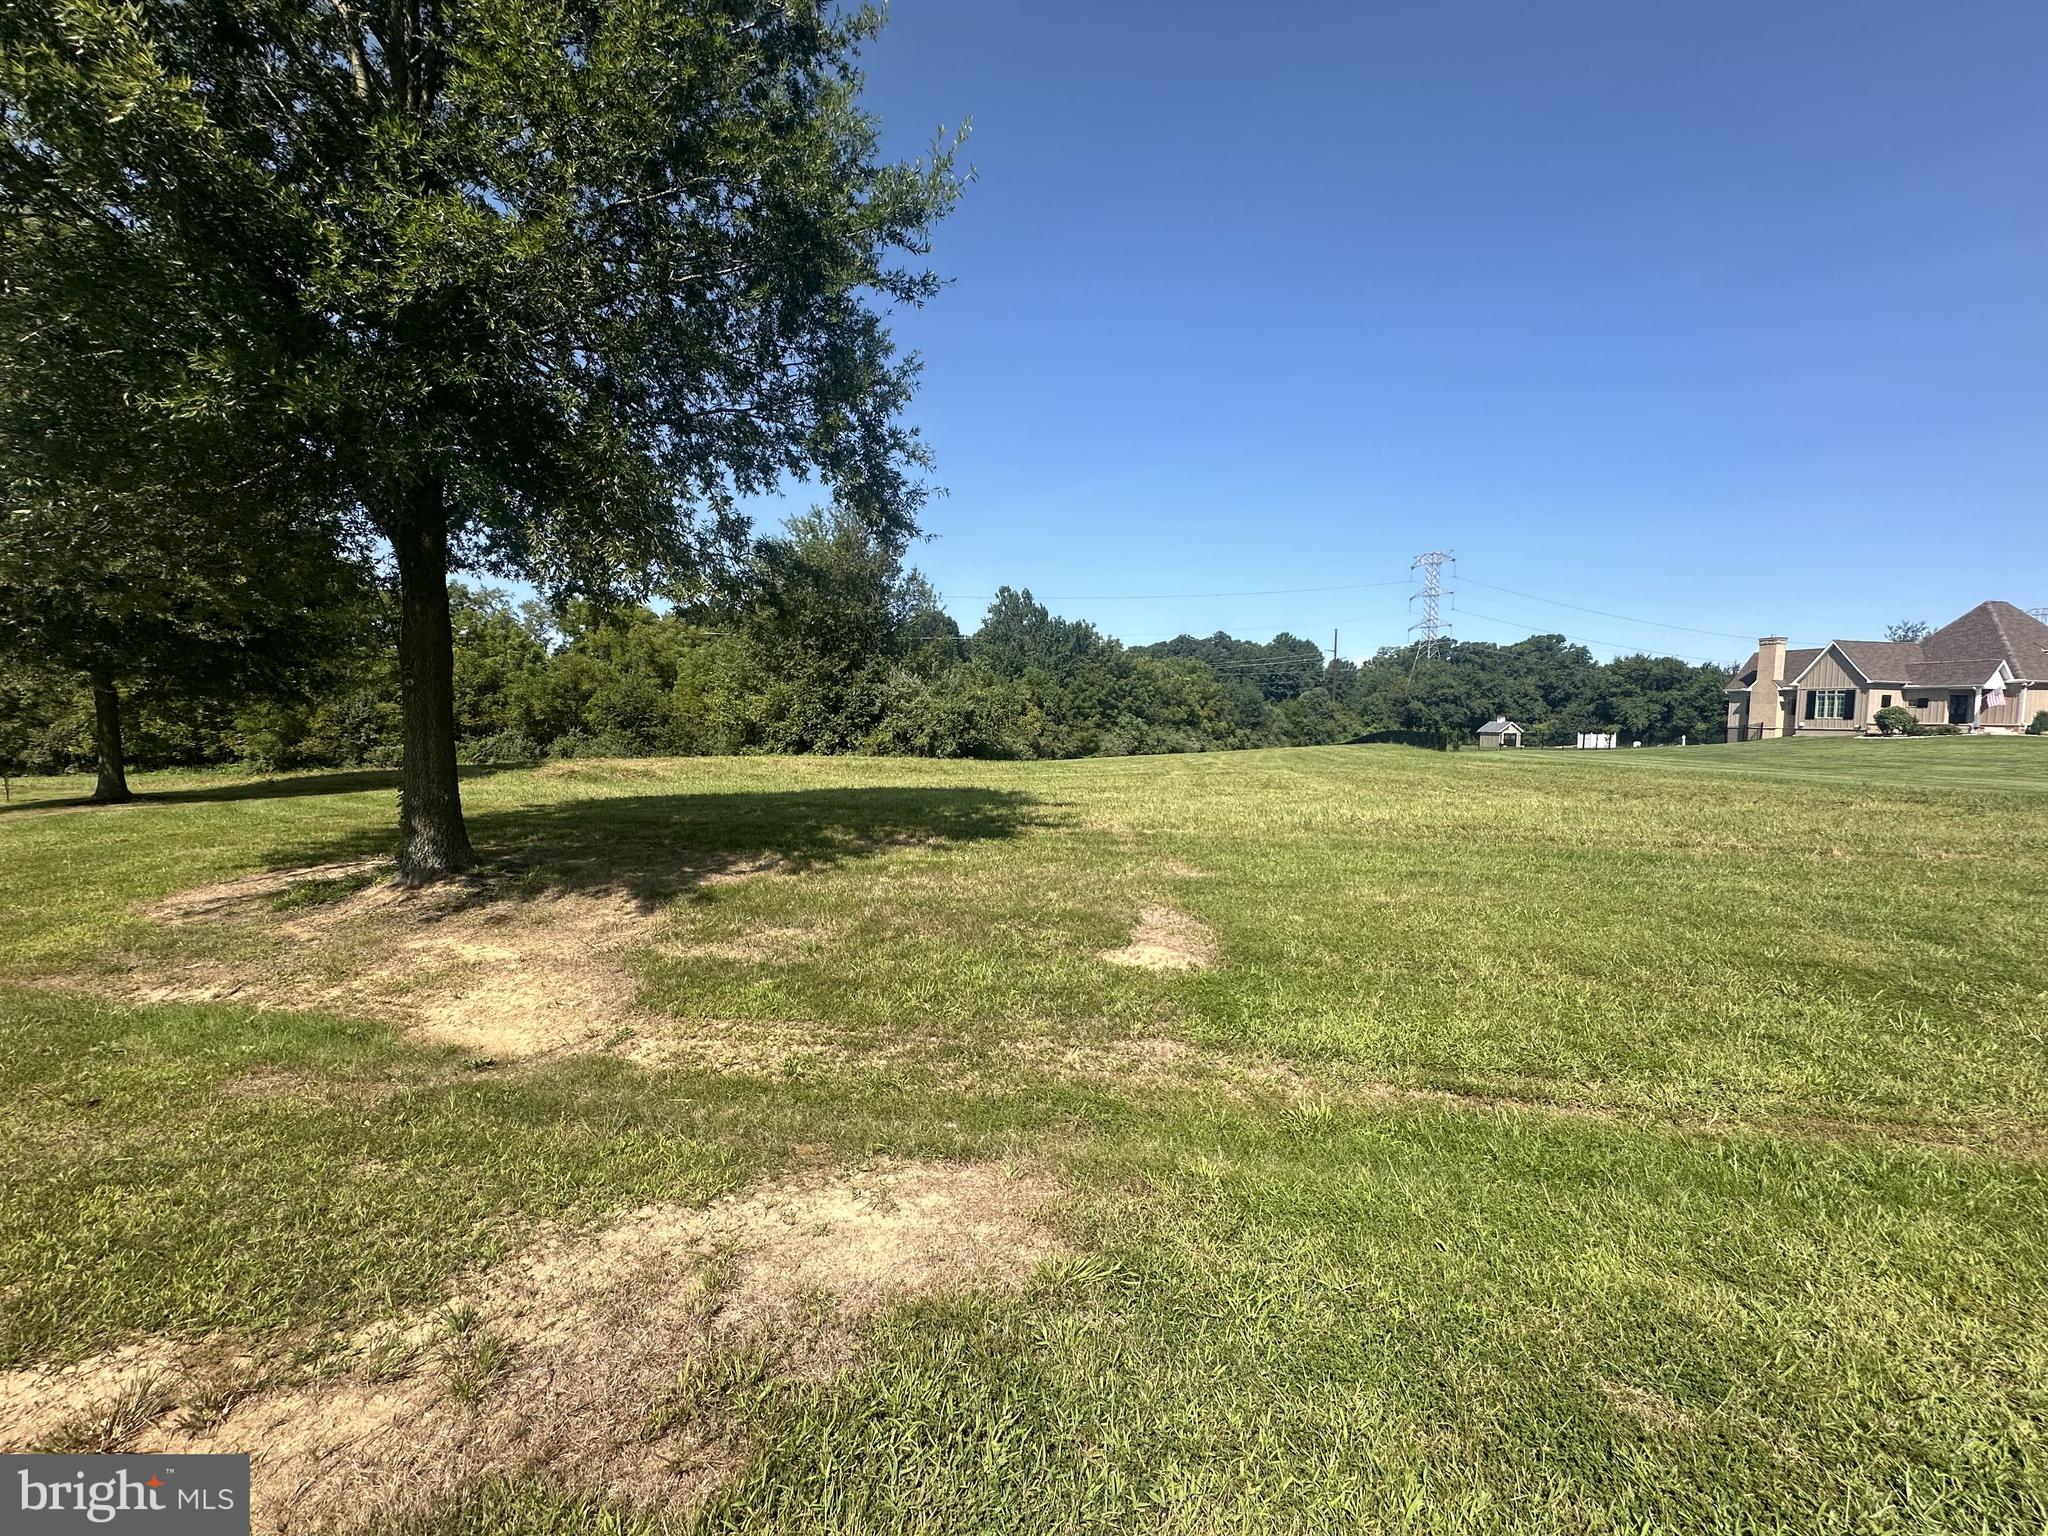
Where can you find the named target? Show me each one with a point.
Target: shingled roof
(1882, 661)
(1796, 662)
(1996, 630)
(1961, 654)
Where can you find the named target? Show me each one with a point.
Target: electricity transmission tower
(2040, 613)
(1431, 631)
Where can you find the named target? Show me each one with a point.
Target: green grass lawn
(1532, 1141)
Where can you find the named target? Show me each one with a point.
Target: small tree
(140, 543)
(1895, 720)
(1908, 631)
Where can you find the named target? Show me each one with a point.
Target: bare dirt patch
(1166, 939)
(485, 963)
(39, 1405)
(586, 1357)
(103, 1403)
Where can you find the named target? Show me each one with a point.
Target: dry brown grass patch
(1166, 939)
(1649, 1408)
(484, 963)
(481, 963)
(229, 899)
(568, 1359)
(759, 946)
(269, 1083)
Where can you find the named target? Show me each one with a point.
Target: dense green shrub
(1895, 720)
(597, 744)
(503, 750)
(963, 712)
(2039, 725)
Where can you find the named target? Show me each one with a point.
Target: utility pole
(1430, 631)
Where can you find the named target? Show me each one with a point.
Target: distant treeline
(828, 644)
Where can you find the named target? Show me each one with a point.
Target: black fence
(1436, 741)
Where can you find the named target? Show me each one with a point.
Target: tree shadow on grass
(653, 848)
(286, 787)
(283, 787)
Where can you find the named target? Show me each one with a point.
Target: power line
(1718, 634)
(1150, 597)
(1518, 624)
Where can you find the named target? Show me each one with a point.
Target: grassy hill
(1313, 1139)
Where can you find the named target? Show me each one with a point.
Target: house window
(1831, 704)
(1919, 703)
(1885, 702)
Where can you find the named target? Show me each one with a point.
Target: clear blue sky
(1730, 315)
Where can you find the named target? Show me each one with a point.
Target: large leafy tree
(541, 287)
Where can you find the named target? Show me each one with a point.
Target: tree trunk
(434, 842)
(112, 783)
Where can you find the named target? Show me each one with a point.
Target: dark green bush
(1896, 720)
(2039, 725)
(502, 750)
(596, 744)
(965, 711)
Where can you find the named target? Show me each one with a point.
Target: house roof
(1956, 674)
(1881, 661)
(1796, 662)
(1961, 654)
(1996, 630)
(1501, 727)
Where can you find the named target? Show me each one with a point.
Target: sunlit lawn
(1559, 1142)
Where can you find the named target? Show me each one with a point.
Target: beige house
(1987, 671)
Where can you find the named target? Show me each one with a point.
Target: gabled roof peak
(1993, 628)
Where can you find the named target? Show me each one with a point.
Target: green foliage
(833, 645)
(610, 743)
(503, 750)
(2038, 726)
(175, 556)
(830, 616)
(1896, 720)
(965, 711)
(587, 268)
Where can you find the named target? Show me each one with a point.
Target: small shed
(1496, 735)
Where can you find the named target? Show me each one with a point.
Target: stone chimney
(1766, 718)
